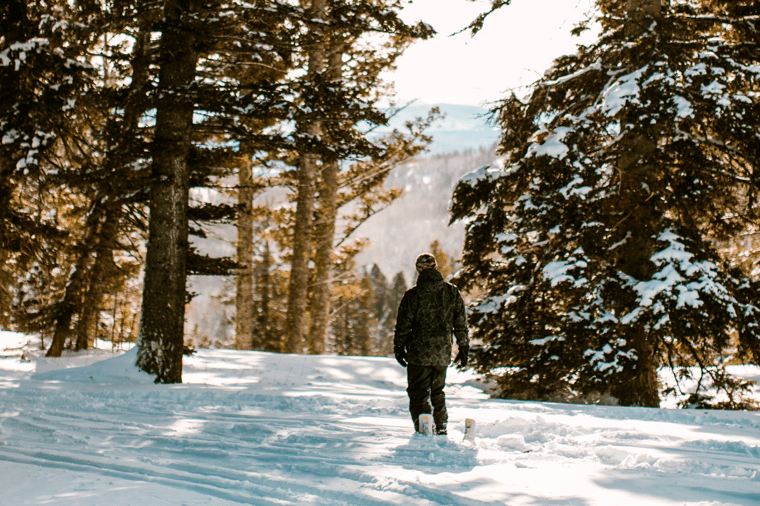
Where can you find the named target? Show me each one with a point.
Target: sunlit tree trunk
(244, 305)
(304, 217)
(324, 231)
(161, 335)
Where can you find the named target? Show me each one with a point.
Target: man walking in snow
(427, 315)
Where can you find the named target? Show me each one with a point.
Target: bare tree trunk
(324, 237)
(264, 338)
(161, 335)
(307, 173)
(244, 308)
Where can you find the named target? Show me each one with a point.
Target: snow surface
(265, 429)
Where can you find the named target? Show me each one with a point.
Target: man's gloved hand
(462, 355)
(400, 353)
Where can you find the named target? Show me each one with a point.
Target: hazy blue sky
(515, 47)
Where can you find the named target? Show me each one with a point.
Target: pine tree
(271, 304)
(444, 266)
(161, 338)
(383, 311)
(596, 242)
(387, 324)
(204, 46)
(47, 131)
(334, 109)
(354, 325)
(366, 323)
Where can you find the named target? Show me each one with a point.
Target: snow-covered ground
(264, 429)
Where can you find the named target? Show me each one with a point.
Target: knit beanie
(425, 261)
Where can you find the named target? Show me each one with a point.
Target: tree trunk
(72, 297)
(325, 234)
(323, 260)
(83, 293)
(94, 295)
(639, 12)
(161, 335)
(264, 338)
(639, 384)
(244, 307)
(307, 173)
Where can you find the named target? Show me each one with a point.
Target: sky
(515, 47)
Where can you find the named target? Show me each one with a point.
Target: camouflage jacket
(427, 315)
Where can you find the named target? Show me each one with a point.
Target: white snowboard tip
(469, 430)
(426, 424)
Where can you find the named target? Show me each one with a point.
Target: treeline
(116, 116)
(363, 309)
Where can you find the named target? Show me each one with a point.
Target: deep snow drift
(265, 429)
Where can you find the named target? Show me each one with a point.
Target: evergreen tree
(354, 325)
(103, 248)
(596, 242)
(161, 339)
(366, 323)
(383, 311)
(200, 43)
(271, 304)
(335, 108)
(398, 289)
(387, 299)
(47, 82)
(444, 266)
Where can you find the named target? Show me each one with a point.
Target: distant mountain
(407, 228)
(463, 142)
(464, 127)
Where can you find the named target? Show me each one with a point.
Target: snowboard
(427, 427)
(469, 430)
(426, 424)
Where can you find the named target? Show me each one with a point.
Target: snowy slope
(264, 429)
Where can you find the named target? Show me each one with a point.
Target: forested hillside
(394, 237)
(408, 227)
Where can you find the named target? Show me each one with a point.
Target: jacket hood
(429, 276)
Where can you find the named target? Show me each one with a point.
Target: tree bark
(161, 334)
(639, 11)
(302, 231)
(324, 237)
(639, 385)
(264, 339)
(244, 306)
(94, 295)
(72, 297)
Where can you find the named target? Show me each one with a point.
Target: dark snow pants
(426, 393)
